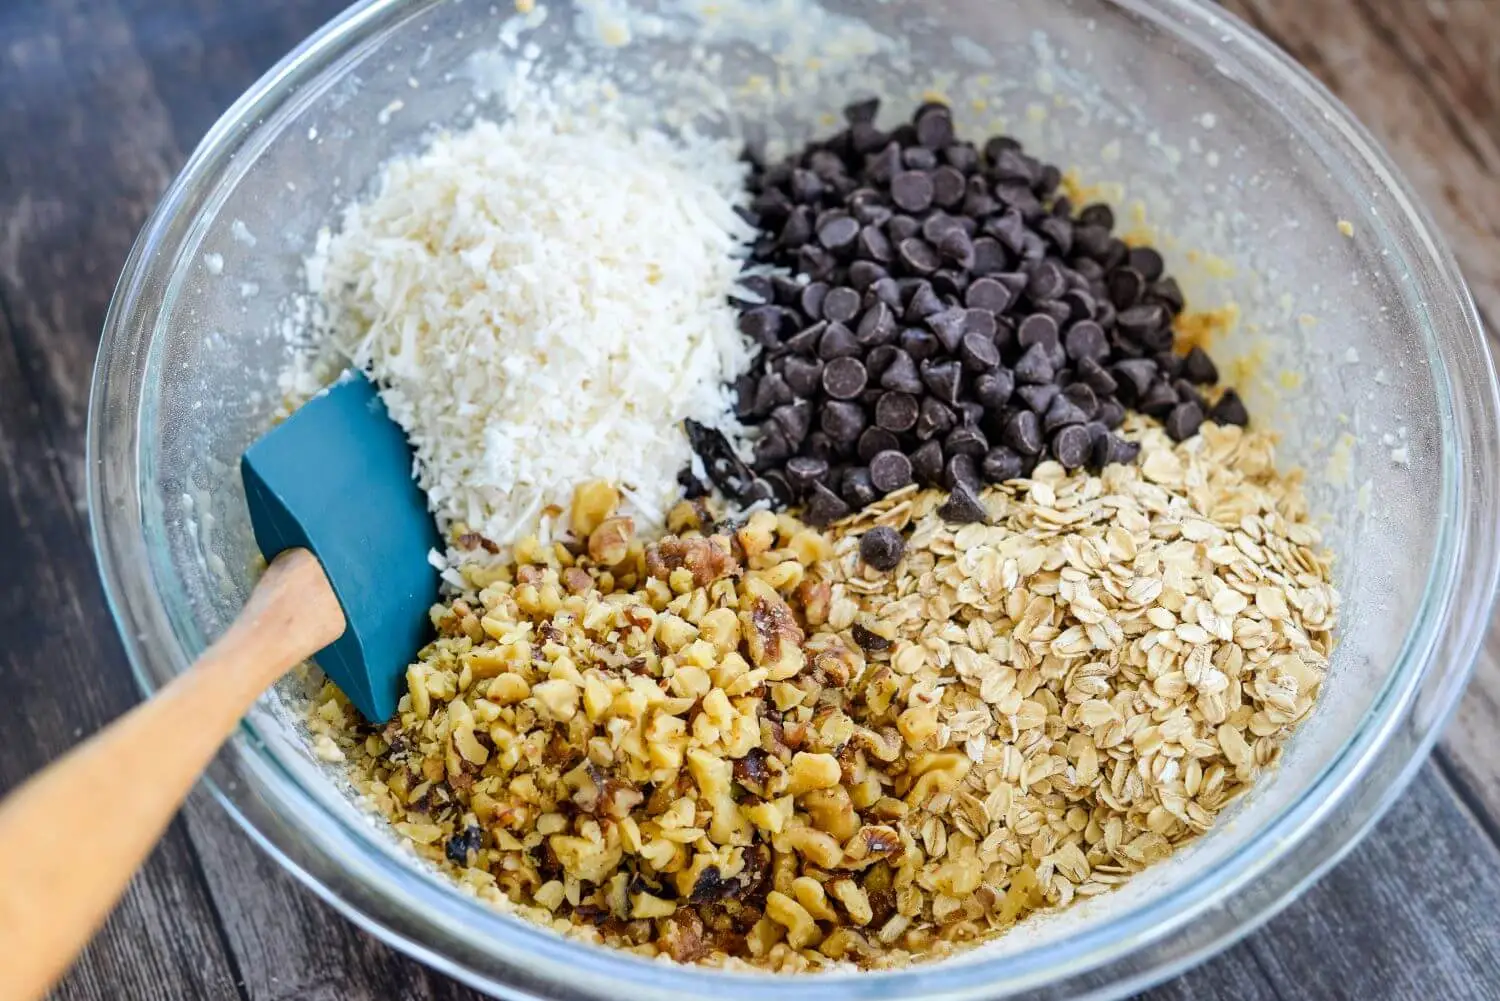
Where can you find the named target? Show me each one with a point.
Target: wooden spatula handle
(72, 835)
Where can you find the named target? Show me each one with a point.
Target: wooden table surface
(101, 100)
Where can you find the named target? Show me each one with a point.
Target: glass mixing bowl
(1355, 338)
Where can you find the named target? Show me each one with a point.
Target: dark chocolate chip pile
(953, 320)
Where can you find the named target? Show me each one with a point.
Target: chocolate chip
(934, 126)
(810, 299)
(1098, 214)
(842, 421)
(824, 507)
(981, 322)
(844, 378)
(1147, 262)
(1110, 413)
(948, 187)
(1037, 329)
(927, 463)
(942, 379)
(1096, 377)
(874, 245)
(857, 488)
(806, 186)
(902, 227)
(1183, 421)
(873, 441)
(1059, 234)
(838, 233)
(1022, 432)
(1047, 281)
(802, 375)
(901, 375)
(918, 256)
(989, 256)
(880, 167)
(882, 548)
(772, 448)
(963, 156)
(862, 111)
(961, 470)
(1135, 375)
(1121, 450)
(771, 392)
(794, 419)
(962, 507)
(868, 641)
(1071, 446)
(883, 289)
(805, 342)
(1188, 393)
(994, 389)
(877, 326)
(918, 343)
(1230, 410)
(950, 326)
(988, 293)
(934, 419)
(1062, 413)
(911, 190)
(965, 440)
(1035, 365)
(820, 446)
(837, 342)
(979, 353)
(1038, 396)
(1125, 287)
(890, 470)
(1082, 397)
(1198, 367)
(802, 471)
(919, 158)
(1168, 294)
(896, 411)
(956, 246)
(762, 324)
(797, 229)
(1000, 464)
(1140, 321)
(1085, 340)
(840, 305)
(815, 262)
(1159, 400)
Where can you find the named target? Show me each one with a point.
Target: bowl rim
(1391, 739)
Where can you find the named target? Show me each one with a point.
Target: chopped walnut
(706, 559)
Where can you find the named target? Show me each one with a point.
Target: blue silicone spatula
(336, 479)
(347, 532)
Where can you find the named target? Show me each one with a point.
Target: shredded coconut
(543, 302)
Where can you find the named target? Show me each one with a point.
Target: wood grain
(64, 676)
(100, 100)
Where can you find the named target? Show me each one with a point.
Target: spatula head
(336, 478)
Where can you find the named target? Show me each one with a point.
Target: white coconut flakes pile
(543, 304)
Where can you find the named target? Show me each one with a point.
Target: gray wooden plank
(291, 945)
(1402, 84)
(1409, 916)
(61, 670)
